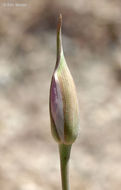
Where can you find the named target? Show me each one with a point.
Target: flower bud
(64, 112)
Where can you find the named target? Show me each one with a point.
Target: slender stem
(64, 151)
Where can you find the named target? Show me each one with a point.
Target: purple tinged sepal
(64, 111)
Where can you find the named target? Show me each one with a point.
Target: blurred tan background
(29, 157)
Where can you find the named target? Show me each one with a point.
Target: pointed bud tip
(60, 17)
(59, 22)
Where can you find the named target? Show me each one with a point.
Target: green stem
(64, 151)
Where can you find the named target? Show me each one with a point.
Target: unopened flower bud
(64, 112)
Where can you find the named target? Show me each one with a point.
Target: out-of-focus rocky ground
(92, 44)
